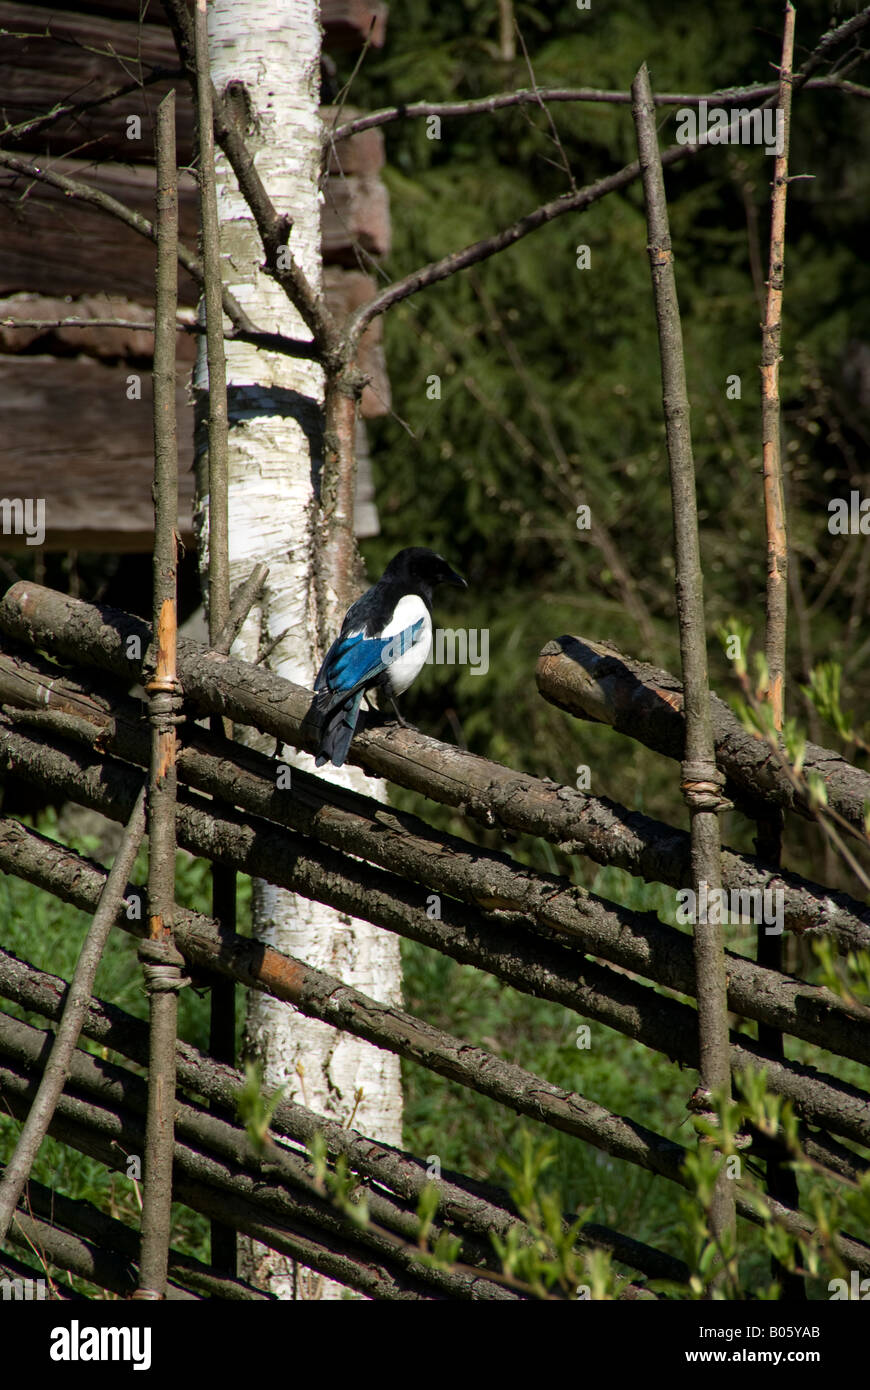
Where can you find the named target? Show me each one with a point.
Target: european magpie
(384, 641)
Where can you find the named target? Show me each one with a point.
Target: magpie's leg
(402, 722)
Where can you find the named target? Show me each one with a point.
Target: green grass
(49, 934)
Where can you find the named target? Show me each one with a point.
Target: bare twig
(46, 325)
(218, 537)
(243, 601)
(345, 92)
(75, 1007)
(26, 129)
(781, 1180)
(489, 246)
(847, 30)
(500, 101)
(554, 134)
(774, 499)
(577, 201)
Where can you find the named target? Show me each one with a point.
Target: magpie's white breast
(407, 665)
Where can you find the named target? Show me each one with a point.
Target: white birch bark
(276, 422)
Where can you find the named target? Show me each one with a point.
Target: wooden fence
(73, 735)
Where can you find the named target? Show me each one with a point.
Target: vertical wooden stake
(774, 501)
(160, 960)
(781, 1180)
(701, 779)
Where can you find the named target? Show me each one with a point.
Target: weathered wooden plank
(72, 437)
(50, 57)
(108, 344)
(56, 246)
(53, 245)
(356, 213)
(346, 23)
(345, 291)
(150, 10)
(68, 422)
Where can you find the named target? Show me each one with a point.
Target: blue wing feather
(355, 662)
(352, 665)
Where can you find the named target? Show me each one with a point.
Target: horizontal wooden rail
(104, 1126)
(593, 681)
(634, 941)
(485, 791)
(471, 1206)
(658, 1022)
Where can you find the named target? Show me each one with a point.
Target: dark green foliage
(550, 393)
(550, 397)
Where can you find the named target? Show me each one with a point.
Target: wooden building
(64, 438)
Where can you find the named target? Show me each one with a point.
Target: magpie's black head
(420, 570)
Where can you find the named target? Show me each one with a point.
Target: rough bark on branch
(208, 1186)
(158, 956)
(700, 778)
(603, 830)
(213, 1185)
(525, 96)
(286, 1182)
(594, 681)
(774, 489)
(69, 1251)
(548, 972)
(634, 941)
(609, 931)
(485, 791)
(475, 1207)
(106, 1236)
(75, 1003)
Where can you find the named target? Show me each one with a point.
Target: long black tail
(338, 724)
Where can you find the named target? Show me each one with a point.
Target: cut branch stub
(593, 680)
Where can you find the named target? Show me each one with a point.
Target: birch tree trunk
(270, 53)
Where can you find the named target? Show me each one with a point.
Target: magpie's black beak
(451, 577)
